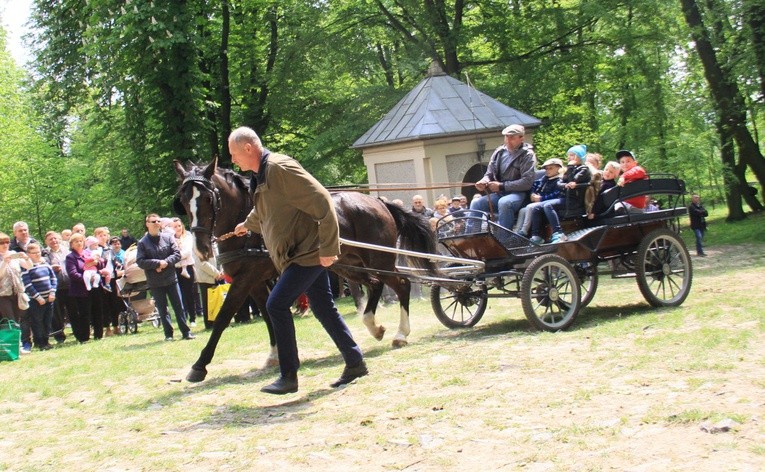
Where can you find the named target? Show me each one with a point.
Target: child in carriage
(577, 173)
(543, 189)
(610, 174)
(631, 172)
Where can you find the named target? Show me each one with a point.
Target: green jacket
(294, 213)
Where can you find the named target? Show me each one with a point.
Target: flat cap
(514, 130)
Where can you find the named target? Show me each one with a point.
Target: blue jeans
(699, 233)
(505, 205)
(546, 210)
(40, 319)
(160, 295)
(314, 281)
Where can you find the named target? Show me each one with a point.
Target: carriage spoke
(459, 307)
(663, 274)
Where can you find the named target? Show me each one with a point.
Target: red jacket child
(631, 172)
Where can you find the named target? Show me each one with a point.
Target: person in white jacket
(208, 275)
(185, 271)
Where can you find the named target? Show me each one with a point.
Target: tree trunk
(754, 16)
(725, 93)
(225, 86)
(732, 184)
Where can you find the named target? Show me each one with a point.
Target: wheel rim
(459, 305)
(462, 305)
(554, 293)
(588, 281)
(666, 270)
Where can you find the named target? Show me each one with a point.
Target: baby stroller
(139, 307)
(133, 290)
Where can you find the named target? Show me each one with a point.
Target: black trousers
(190, 294)
(80, 318)
(63, 305)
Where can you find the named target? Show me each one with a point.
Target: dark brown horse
(216, 200)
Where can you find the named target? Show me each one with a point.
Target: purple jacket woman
(81, 320)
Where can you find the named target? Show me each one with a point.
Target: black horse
(217, 199)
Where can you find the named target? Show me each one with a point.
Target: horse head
(199, 198)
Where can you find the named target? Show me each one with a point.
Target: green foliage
(125, 87)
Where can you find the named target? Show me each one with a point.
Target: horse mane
(234, 178)
(231, 177)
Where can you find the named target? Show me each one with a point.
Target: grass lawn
(628, 387)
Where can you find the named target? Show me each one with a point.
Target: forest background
(117, 89)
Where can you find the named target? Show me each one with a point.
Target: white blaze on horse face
(193, 207)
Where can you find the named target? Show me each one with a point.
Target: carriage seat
(666, 185)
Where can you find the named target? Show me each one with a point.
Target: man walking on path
(297, 219)
(698, 215)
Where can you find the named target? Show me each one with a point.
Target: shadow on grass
(587, 318)
(257, 377)
(293, 408)
(483, 330)
(590, 317)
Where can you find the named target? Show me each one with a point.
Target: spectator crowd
(70, 280)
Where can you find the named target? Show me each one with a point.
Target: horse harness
(228, 256)
(206, 184)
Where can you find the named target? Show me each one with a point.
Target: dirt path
(628, 388)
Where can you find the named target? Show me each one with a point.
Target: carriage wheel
(663, 269)
(155, 321)
(588, 281)
(550, 293)
(459, 308)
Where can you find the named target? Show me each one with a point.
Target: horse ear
(179, 169)
(210, 169)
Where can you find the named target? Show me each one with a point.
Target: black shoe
(189, 336)
(282, 385)
(46, 347)
(350, 374)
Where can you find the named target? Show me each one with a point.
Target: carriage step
(580, 233)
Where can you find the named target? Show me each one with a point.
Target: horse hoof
(398, 343)
(380, 333)
(196, 375)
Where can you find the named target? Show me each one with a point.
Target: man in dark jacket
(126, 240)
(698, 215)
(21, 237)
(157, 255)
(297, 219)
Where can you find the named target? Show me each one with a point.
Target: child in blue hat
(570, 203)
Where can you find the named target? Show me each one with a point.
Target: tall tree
(728, 101)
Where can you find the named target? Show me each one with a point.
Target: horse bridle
(206, 184)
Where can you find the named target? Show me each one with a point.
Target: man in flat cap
(508, 178)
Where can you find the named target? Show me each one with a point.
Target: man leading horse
(296, 216)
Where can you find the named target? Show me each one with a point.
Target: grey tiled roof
(442, 106)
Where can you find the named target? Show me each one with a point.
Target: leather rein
(214, 195)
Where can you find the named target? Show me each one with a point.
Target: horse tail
(415, 234)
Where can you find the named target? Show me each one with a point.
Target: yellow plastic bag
(215, 297)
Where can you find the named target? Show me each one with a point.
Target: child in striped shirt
(40, 284)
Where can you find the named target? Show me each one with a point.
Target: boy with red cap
(631, 172)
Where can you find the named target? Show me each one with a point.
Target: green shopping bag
(10, 336)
